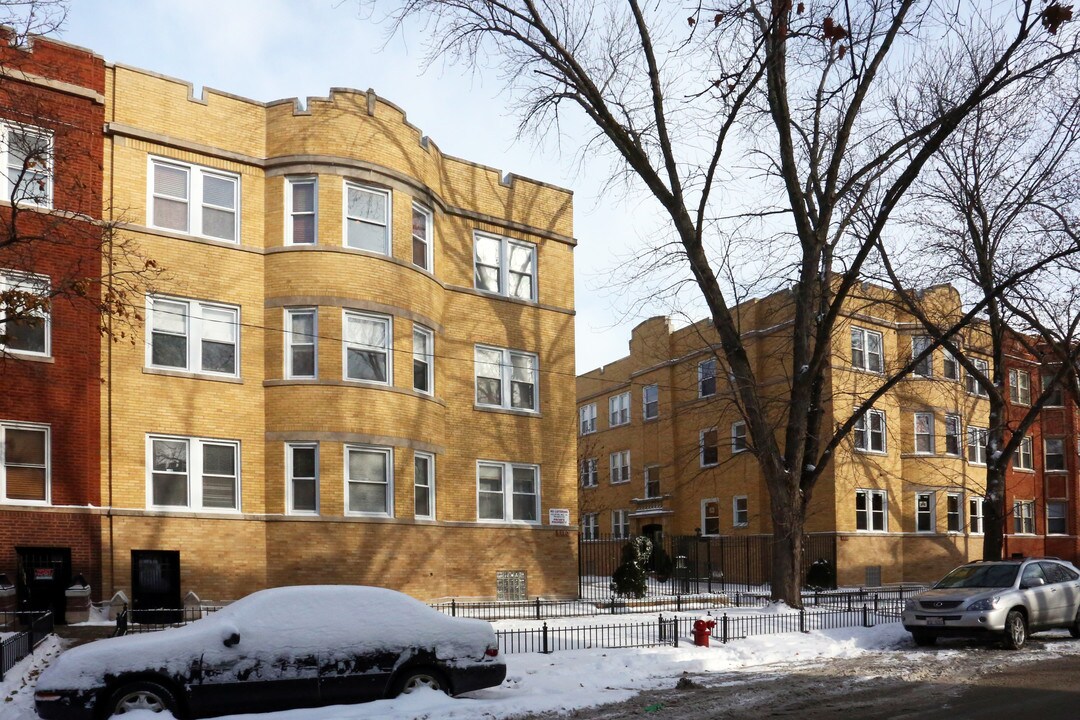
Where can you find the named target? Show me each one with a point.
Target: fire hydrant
(702, 631)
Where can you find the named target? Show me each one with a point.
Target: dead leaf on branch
(1055, 15)
(834, 32)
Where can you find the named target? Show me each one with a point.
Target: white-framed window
(975, 515)
(367, 218)
(367, 348)
(620, 523)
(708, 450)
(198, 337)
(1023, 457)
(738, 437)
(619, 409)
(652, 481)
(26, 154)
(924, 433)
(369, 481)
(302, 468)
(1054, 459)
(590, 472)
(1024, 517)
(951, 366)
(504, 266)
(25, 477)
(424, 486)
(518, 502)
(871, 511)
(301, 211)
(870, 432)
(620, 467)
(29, 331)
(590, 527)
(866, 350)
(740, 511)
(1056, 520)
(421, 237)
(976, 445)
(973, 386)
(954, 512)
(710, 516)
(506, 378)
(925, 522)
(196, 473)
(194, 200)
(706, 377)
(650, 402)
(1056, 397)
(1019, 387)
(924, 367)
(301, 345)
(952, 435)
(423, 359)
(587, 418)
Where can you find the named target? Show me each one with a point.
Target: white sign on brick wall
(558, 516)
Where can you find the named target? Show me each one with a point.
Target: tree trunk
(994, 512)
(787, 548)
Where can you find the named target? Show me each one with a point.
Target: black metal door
(44, 574)
(155, 586)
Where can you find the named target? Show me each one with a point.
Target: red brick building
(1042, 480)
(51, 120)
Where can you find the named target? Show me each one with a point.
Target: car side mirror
(231, 639)
(1033, 583)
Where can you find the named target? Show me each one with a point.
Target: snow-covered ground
(562, 681)
(568, 681)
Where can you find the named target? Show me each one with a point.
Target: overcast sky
(271, 49)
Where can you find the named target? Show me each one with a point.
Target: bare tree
(772, 110)
(54, 246)
(997, 208)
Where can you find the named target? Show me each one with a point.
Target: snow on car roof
(328, 620)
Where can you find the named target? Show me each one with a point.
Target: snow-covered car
(282, 648)
(1008, 599)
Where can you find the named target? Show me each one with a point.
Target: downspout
(109, 352)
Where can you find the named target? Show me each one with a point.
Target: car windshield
(982, 576)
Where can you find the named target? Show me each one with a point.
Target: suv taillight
(492, 651)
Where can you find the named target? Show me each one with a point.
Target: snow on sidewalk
(562, 681)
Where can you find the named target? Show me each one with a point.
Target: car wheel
(923, 639)
(418, 678)
(1074, 628)
(142, 695)
(1016, 631)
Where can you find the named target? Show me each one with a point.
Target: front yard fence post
(724, 629)
(802, 620)
(453, 607)
(547, 649)
(866, 616)
(678, 603)
(675, 629)
(537, 607)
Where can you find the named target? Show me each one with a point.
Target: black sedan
(273, 650)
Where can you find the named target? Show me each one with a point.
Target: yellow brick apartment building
(664, 449)
(353, 369)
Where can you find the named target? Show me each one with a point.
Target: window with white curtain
(198, 337)
(506, 378)
(195, 200)
(301, 198)
(504, 266)
(367, 218)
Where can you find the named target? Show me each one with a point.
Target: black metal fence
(691, 565)
(30, 629)
(673, 630)
(130, 621)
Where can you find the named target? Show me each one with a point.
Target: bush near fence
(38, 626)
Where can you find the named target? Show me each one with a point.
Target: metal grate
(873, 575)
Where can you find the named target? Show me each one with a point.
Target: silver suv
(1007, 598)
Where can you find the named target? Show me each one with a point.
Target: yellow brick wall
(336, 139)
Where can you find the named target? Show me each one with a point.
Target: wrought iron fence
(675, 629)
(130, 621)
(38, 625)
(692, 565)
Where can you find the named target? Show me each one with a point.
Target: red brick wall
(65, 391)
